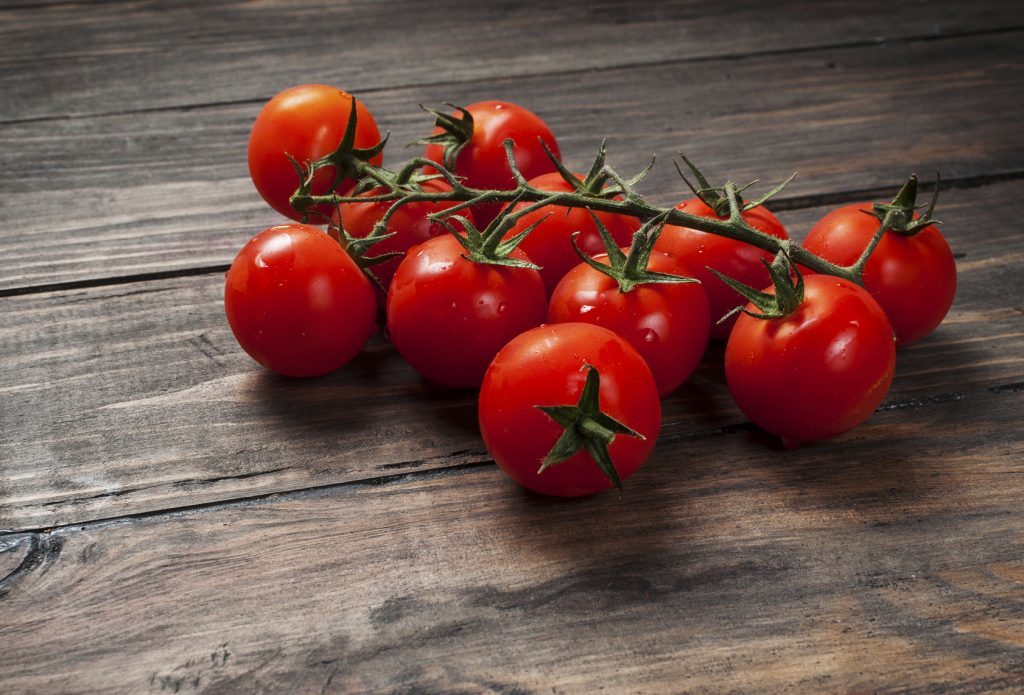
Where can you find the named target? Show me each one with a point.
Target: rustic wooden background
(175, 519)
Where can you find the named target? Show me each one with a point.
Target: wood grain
(136, 397)
(93, 198)
(891, 560)
(80, 59)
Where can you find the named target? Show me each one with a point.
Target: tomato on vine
(456, 299)
(297, 303)
(303, 124)
(704, 253)
(809, 360)
(644, 296)
(471, 145)
(911, 272)
(569, 409)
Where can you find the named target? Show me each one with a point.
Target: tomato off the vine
(297, 303)
(812, 360)
(911, 273)
(569, 409)
(305, 123)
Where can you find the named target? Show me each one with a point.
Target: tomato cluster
(572, 322)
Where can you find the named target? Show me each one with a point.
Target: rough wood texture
(159, 407)
(892, 558)
(116, 57)
(114, 186)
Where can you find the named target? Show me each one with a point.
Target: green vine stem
(619, 196)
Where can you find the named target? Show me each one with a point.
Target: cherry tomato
(482, 162)
(297, 303)
(549, 245)
(817, 372)
(409, 224)
(306, 122)
(448, 316)
(913, 278)
(700, 250)
(666, 323)
(547, 366)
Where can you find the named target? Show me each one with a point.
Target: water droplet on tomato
(502, 307)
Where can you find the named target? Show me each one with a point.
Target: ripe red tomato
(666, 323)
(482, 162)
(549, 245)
(817, 372)
(700, 250)
(448, 316)
(913, 278)
(548, 366)
(297, 303)
(409, 224)
(306, 122)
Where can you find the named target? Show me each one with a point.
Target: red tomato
(913, 278)
(700, 250)
(547, 366)
(297, 303)
(409, 224)
(666, 323)
(549, 245)
(817, 372)
(482, 162)
(448, 316)
(306, 122)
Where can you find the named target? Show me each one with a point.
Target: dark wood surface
(175, 519)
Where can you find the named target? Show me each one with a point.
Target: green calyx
(488, 246)
(586, 428)
(349, 162)
(630, 269)
(898, 216)
(716, 198)
(595, 183)
(356, 248)
(456, 131)
(788, 296)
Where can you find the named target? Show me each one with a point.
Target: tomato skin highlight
(307, 122)
(449, 316)
(700, 250)
(667, 324)
(817, 372)
(297, 303)
(913, 278)
(482, 161)
(409, 224)
(546, 366)
(549, 245)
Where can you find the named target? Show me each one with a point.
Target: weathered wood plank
(890, 560)
(74, 59)
(136, 397)
(122, 195)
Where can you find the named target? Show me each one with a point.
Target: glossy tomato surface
(819, 371)
(700, 250)
(449, 316)
(549, 245)
(913, 278)
(409, 224)
(297, 303)
(666, 323)
(546, 366)
(482, 161)
(306, 122)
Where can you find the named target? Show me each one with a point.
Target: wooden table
(173, 518)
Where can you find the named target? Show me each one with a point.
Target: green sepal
(630, 270)
(585, 426)
(898, 216)
(788, 296)
(714, 196)
(487, 246)
(456, 131)
(356, 248)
